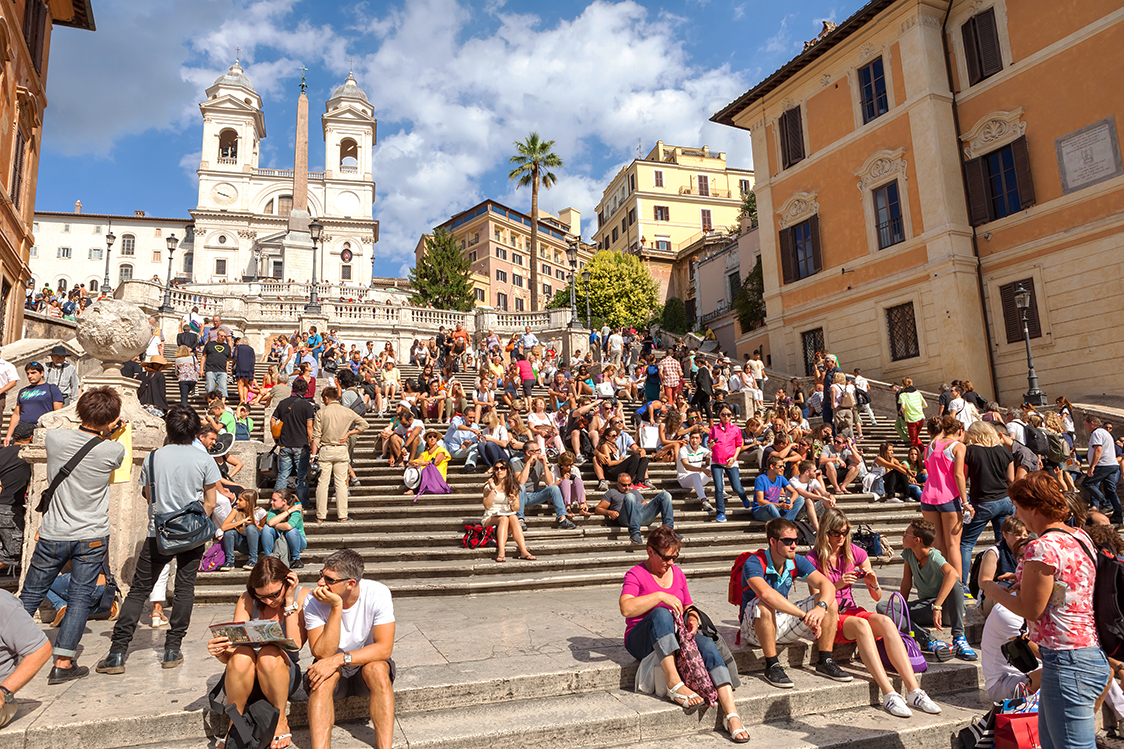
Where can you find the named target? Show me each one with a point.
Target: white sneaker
(921, 701)
(895, 705)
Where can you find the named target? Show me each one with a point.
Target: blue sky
(453, 83)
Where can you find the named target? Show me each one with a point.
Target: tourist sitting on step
(270, 671)
(462, 441)
(845, 564)
(372, 390)
(350, 624)
(402, 438)
(391, 382)
(501, 508)
(653, 597)
(618, 453)
(624, 505)
(518, 436)
(426, 474)
(538, 486)
(241, 531)
(835, 460)
(493, 439)
(483, 397)
(431, 401)
(558, 390)
(543, 429)
(455, 400)
(772, 497)
(769, 619)
(307, 372)
(569, 478)
(285, 519)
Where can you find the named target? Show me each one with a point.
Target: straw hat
(154, 362)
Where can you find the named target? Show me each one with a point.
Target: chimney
(77, 206)
(138, 214)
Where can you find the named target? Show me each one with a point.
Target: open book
(254, 632)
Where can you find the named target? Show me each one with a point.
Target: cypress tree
(443, 276)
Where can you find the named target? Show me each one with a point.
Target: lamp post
(166, 308)
(585, 277)
(572, 256)
(1033, 396)
(314, 230)
(109, 239)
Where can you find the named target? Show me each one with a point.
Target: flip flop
(501, 559)
(529, 557)
(286, 737)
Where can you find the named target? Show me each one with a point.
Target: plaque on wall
(1089, 156)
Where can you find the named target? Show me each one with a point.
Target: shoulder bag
(276, 424)
(179, 530)
(45, 498)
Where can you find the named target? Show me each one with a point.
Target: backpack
(1060, 450)
(477, 536)
(846, 400)
(974, 575)
(1108, 592)
(1036, 440)
(862, 397)
(805, 534)
(735, 590)
(212, 559)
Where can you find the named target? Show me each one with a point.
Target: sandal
(287, 738)
(683, 700)
(740, 736)
(529, 557)
(501, 559)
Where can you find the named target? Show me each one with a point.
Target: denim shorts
(952, 505)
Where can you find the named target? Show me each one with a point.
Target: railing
(437, 318)
(722, 308)
(710, 235)
(890, 233)
(709, 193)
(228, 160)
(344, 169)
(284, 173)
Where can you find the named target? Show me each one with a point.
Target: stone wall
(38, 325)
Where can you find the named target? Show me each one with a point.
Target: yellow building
(671, 200)
(921, 161)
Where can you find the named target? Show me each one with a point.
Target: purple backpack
(898, 611)
(212, 559)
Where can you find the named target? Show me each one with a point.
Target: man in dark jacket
(704, 391)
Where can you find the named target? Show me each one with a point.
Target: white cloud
(739, 12)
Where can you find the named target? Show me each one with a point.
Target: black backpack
(1108, 593)
(1036, 440)
(974, 575)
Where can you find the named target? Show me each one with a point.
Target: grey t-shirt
(180, 473)
(20, 636)
(80, 507)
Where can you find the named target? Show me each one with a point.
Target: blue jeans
(765, 513)
(216, 381)
(86, 561)
(1102, 487)
(656, 631)
(638, 512)
(293, 537)
(59, 595)
(986, 512)
(717, 471)
(469, 452)
(546, 495)
(248, 544)
(1072, 680)
(290, 460)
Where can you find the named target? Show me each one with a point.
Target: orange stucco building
(918, 162)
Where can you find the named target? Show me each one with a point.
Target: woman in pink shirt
(942, 502)
(652, 595)
(725, 446)
(527, 375)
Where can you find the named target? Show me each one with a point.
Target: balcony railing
(228, 160)
(709, 193)
(349, 169)
(890, 233)
(284, 173)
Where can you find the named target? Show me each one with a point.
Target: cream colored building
(667, 202)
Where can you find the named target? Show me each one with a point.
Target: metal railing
(890, 233)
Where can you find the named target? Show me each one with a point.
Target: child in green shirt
(285, 518)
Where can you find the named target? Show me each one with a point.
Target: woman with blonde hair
(991, 469)
(845, 564)
(542, 427)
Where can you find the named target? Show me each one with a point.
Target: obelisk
(298, 219)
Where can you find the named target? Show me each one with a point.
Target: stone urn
(114, 332)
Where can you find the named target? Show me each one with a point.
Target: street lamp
(314, 230)
(585, 277)
(572, 256)
(166, 308)
(1033, 396)
(109, 239)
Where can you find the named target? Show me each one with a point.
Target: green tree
(621, 290)
(443, 276)
(674, 317)
(534, 161)
(749, 304)
(749, 206)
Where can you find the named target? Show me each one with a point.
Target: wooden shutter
(788, 256)
(1012, 320)
(1022, 171)
(17, 169)
(814, 233)
(704, 185)
(987, 36)
(792, 137)
(978, 202)
(971, 51)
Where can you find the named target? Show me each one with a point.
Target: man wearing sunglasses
(769, 619)
(625, 506)
(350, 623)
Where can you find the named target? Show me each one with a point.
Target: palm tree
(534, 161)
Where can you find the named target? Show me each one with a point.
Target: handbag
(1016, 724)
(649, 437)
(212, 559)
(980, 733)
(869, 541)
(917, 662)
(281, 549)
(689, 663)
(46, 497)
(250, 729)
(179, 530)
(267, 468)
(1018, 653)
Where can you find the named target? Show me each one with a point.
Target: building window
(872, 84)
(189, 263)
(888, 215)
(125, 273)
(463, 244)
(800, 250)
(34, 29)
(658, 176)
(624, 224)
(792, 138)
(97, 228)
(284, 205)
(902, 329)
(733, 286)
(228, 147)
(501, 301)
(744, 186)
(66, 228)
(546, 269)
(61, 286)
(501, 253)
(501, 276)
(519, 304)
(707, 221)
(35, 251)
(156, 256)
(560, 274)
(632, 183)
(64, 252)
(278, 269)
(631, 216)
(345, 272)
(35, 227)
(128, 245)
(472, 256)
(93, 284)
(1012, 317)
(157, 233)
(516, 258)
(704, 185)
(981, 46)
(547, 290)
(499, 235)
(17, 163)
(615, 235)
(999, 183)
(517, 280)
(663, 244)
(811, 342)
(220, 266)
(475, 238)
(479, 294)
(662, 213)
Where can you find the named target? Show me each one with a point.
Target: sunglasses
(333, 580)
(788, 541)
(269, 596)
(666, 557)
(839, 534)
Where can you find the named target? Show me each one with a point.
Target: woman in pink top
(652, 593)
(527, 375)
(725, 446)
(941, 499)
(1055, 596)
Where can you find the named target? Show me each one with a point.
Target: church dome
(236, 78)
(350, 90)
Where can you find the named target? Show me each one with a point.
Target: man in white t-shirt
(616, 348)
(350, 623)
(1103, 473)
(863, 402)
(960, 408)
(692, 467)
(808, 485)
(1000, 677)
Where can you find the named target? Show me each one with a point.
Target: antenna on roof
(304, 86)
(639, 148)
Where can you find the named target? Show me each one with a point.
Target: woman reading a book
(265, 670)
